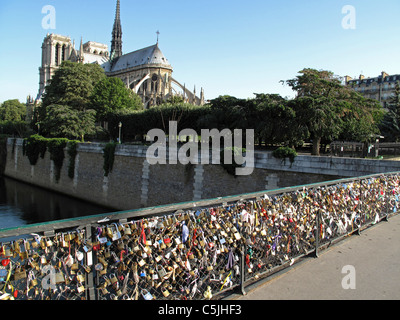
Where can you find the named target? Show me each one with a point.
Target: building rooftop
(145, 56)
(384, 77)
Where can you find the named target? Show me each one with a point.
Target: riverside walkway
(375, 255)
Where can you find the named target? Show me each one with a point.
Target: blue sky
(233, 47)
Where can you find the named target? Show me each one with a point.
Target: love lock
(161, 271)
(146, 295)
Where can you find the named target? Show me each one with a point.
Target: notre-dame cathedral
(146, 71)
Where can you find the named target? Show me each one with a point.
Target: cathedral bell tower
(116, 43)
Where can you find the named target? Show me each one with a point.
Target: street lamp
(120, 127)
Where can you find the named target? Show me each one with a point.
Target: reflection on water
(22, 204)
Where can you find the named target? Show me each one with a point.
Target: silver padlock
(161, 271)
(146, 295)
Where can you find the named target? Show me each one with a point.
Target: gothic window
(57, 56)
(63, 53)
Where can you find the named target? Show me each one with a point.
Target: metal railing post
(242, 269)
(317, 233)
(387, 205)
(91, 291)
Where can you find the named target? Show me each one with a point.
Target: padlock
(116, 234)
(107, 281)
(60, 278)
(127, 230)
(19, 274)
(75, 266)
(80, 277)
(69, 260)
(141, 263)
(113, 279)
(161, 271)
(80, 288)
(104, 291)
(33, 283)
(3, 275)
(165, 292)
(79, 255)
(49, 242)
(146, 295)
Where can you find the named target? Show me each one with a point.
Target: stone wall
(134, 183)
(335, 166)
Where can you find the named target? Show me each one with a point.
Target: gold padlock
(19, 274)
(80, 277)
(113, 279)
(81, 288)
(165, 293)
(60, 278)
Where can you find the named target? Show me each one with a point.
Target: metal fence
(362, 150)
(189, 251)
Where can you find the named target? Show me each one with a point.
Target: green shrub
(72, 152)
(285, 152)
(36, 146)
(33, 147)
(56, 148)
(108, 156)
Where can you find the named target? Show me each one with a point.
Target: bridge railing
(196, 250)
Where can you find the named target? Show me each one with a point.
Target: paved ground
(375, 255)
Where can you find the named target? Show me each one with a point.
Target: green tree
(360, 117)
(224, 112)
(318, 105)
(274, 120)
(110, 95)
(66, 122)
(390, 125)
(72, 85)
(12, 110)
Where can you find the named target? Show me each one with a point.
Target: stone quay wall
(134, 183)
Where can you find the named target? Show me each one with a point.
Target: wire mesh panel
(278, 229)
(193, 254)
(44, 268)
(393, 193)
(186, 256)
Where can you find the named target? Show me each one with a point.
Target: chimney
(361, 77)
(347, 79)
(384, 75)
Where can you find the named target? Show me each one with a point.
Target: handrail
(191, 250)
(162, 209)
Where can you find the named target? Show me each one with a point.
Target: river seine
(23, 204)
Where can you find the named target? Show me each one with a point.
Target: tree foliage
(390, 125)
(73, 85)
(325, 109)
(64, 121)
(12, 110)
(110, 95)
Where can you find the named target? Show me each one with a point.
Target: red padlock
(5, 262)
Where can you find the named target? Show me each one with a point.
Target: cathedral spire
(81, 57)
(116, 43)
